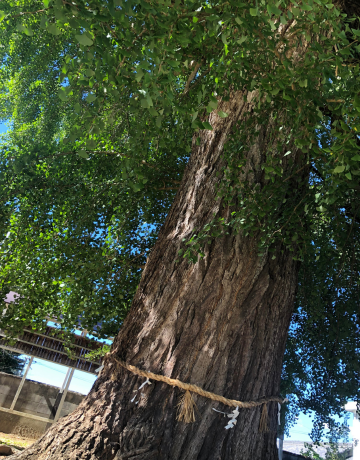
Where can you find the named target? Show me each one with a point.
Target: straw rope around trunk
(186, 404)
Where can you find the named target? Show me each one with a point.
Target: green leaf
(194, 116)
(272, 25)
(268, 168)
(195, 19)
(207, 125)
(43, 22)
(158, 121)
(306, 7)
(52, 29)
(90, 98)
(275, 91)
(139, 74)
(135, 187)
(62, 94)
(144, 103)
(20, 27)
(286, 97)
(2, 15)
(59, 15)
(272, 9)
(222, 114)
(356, 157)
(83, 39)
(89, 73)
(153, 112)
(253, 11)
(224, 38)
(82, 153)
(339, 169)
(74, 23)
(357, 101)
(213, 104)
(197, 124)
(28, 31)
(242, 39)
(90, 144)
(348, 175)
(149, 100)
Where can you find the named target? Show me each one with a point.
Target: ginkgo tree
(192, 167)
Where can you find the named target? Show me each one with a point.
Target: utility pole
(355, 430)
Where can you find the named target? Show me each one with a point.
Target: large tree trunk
(220, 323)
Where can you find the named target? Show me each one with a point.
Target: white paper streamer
(232, 422)
(232, 418)
(279, 410)
(140, 387)
(220, 411)
(143, 384)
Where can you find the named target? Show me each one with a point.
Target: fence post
(21, 384)
(65, 388)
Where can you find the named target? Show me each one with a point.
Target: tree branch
(191, 77)
(28, 12)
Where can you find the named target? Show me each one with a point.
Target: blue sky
(3, 128)
(54, 374)
(300, 432)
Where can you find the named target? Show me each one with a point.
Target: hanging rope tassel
(186, 407)
(264, 420)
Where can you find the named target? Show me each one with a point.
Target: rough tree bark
(220, 323)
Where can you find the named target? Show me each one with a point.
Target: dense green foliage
(10, 363)
(321, 367)
(103, 100)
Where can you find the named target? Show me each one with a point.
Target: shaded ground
(15, 441)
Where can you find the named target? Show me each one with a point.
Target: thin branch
(27, 12)
(351, 214)
(129, 48)
(292, 175)
(318, 173)
(191, 77)
(168, 188)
